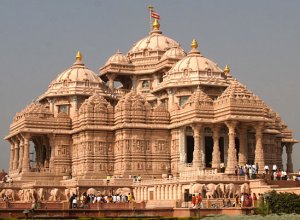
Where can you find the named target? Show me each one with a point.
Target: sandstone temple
(154, 113)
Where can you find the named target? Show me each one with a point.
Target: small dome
(77, 79)
(118, 58)
(175, 53)
(195, 62)
(151, 45)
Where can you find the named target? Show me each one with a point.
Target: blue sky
(259, 40)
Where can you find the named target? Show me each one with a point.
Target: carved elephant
(9, 193)
(199, 188)
(92, 191)
(70, 191)
(211, 191)
(220, 190)
(41, 194)
(231, 189)
(123, 191)
(245, 188)
(54, 195)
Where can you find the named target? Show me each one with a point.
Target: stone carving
(220, 190)
(199, 188)
(211, 190)
(245, 188)
(123, 191)
(231, 189)
(92, 191)
(9, 193)
(41, 193)
(54, 195)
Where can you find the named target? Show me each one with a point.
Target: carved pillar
(20, 155)
(182, 148)
(179, 194)
(243, 146)
(259, 151)
(162, 192)
(202, 148)
(155, 193)
(158, 193)
(170, 197)
(166, 192)
(216, 155)
(16, 156)
(12, 155)
(174, 197)
(196, 154)
(146, 193)
(232, 160)
(289, 151)
(26, 160)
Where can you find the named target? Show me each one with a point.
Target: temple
(154, 111)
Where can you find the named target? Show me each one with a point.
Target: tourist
(193, 201)
(236, 201)
(266, 169)
(279, 174)
(74, 202)
(242, 173)
(250, 172)
(199, 201)
(242, 200)
(129, 197)
(249, 200)
(260, 199)
(254, 200)
(274, 175)
(284, 175)
(274, 168)
(71, 201)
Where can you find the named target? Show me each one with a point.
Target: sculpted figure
(211, 190)
(245, 188)
(41, 194)
(123, 191)
(230, 190)
(9, 193)
(54, 195)
(199, 188)
(220, 190)
(21, 194)
(91, 191)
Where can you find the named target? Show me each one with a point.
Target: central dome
(154, 45)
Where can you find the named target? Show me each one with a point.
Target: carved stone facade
(157, 111)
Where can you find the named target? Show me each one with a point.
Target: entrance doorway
(209, 143)
(189, 149)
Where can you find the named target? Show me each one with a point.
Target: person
(199, 201)
(236, 170)
(242, 200)
(242, 173)
(249, 200)
(236, 201)
(193, 201)
(279, 175)
(284, 175)
(256, 168)
(74, 202)
(274, 168)
(71, 201)
(254, 200)
(129, 197)
(250, 172)
(266, 169)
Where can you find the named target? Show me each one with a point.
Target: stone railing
(96, 183)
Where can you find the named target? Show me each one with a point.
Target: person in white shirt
(266, 169)
(274, 168)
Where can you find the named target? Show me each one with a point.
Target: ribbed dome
(77, 79)
(175, 53)
(117, 58)
(195, 62)
(153, 45)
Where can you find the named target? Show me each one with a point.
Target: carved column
(20, 155)
(202, 148)
(196, 154)
(216, 155)
(166, 192)
(289, 151)
(179, 193)
(243, 146)
(232, 160)
(16, 155)
(162, 192)
(11, 160)
(170, 192)
(26, 160)
(182, 144)
(259, 151)
(174, 192)
(158, 193)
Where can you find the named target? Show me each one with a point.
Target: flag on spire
(155, 15)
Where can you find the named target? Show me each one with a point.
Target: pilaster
(216, 155)
(259, 151)
(232, 160)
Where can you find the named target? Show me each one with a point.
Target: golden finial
(194, 44)
(227, 70)
(156, 25)
(78, 56)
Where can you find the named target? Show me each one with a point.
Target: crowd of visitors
(85, 199)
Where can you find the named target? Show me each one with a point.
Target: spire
(156, 25)
(227, 70)
(78, 60)
(194, 44)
